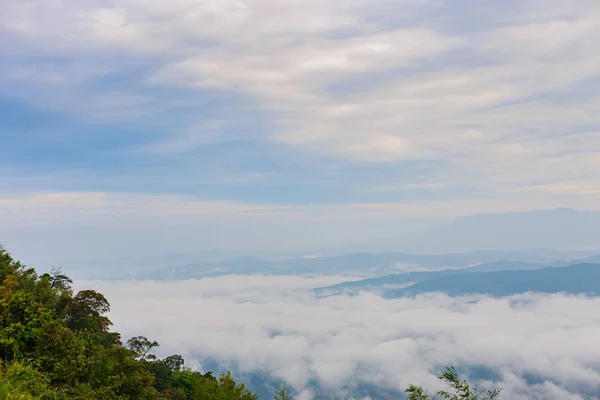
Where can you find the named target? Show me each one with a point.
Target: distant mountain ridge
(450, 245)
(384, 283)
(572, 279)
(512, 266)
(356, 264)
(578, 278)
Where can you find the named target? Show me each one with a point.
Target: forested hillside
(56, 345)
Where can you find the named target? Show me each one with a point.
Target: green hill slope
(57, 345)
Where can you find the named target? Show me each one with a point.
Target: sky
(541, 346)
(139, 126)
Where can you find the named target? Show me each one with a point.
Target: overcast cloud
(394, 342)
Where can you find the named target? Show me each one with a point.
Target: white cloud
(505, 79)
(395, 342)
(293, 72)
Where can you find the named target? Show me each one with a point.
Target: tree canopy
(57, 345)
(458, 389)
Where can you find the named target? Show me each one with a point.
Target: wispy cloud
(207, 133)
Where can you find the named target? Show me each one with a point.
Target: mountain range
(531, 236)
(580, 278)
(363, 264)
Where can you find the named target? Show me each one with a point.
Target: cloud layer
(542, 346)
(502, 95)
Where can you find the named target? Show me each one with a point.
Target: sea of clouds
(540, 346)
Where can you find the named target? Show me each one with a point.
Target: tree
(141, 346)
(282, 394)
(417, 393)
(461, 390)
(230, 390)
(174, 362)
(58, 280)
(86, 311)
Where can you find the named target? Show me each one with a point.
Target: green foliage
(22, 382)
(58, 346)
(460, 389)
(141, 347)
(417, 393)
(174, 362)
(282, 394)
(86, 311)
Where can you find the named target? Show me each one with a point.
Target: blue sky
(299, 112)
